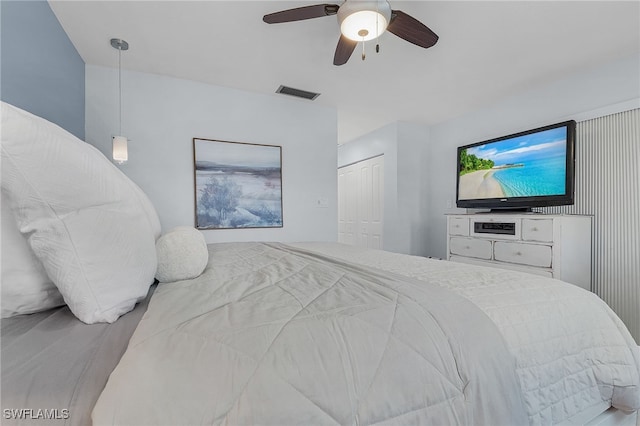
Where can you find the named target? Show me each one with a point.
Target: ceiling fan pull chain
(363, 54)
(377, 29)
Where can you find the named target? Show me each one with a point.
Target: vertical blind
(608, 188)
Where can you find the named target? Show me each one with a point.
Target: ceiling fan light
(363, 25)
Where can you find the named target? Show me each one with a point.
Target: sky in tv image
(526, 148)
(524, 166)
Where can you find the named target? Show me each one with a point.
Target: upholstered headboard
(41, 71)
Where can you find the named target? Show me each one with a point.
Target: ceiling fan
(360, 21)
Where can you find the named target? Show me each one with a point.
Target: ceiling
(488, 50)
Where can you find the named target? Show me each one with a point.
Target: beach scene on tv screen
(525, 166)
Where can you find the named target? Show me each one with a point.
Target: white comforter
(272, 334)
(574, 355)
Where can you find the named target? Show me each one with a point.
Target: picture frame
(237, 185)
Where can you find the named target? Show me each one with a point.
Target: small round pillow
(182, 254)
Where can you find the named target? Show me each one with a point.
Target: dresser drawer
(537, 230)
(524, 254)
(459, 226)
(503, 265)
(470, 247)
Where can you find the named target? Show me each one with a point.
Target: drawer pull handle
(467, 247)
(518, 253)
(534, 229)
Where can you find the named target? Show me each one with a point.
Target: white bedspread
(271, 335)
(274, 334)
(574, 355)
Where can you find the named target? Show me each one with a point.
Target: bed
(274, 333)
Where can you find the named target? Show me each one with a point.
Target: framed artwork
(237, 185)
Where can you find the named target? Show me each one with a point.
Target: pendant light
(120, 153)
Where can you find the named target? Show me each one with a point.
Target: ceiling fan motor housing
(357, 19)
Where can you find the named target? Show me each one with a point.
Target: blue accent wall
(40, 69)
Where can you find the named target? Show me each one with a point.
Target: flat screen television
(534, 168)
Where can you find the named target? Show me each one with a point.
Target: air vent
(297, 93)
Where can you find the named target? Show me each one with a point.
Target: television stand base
(552, 245)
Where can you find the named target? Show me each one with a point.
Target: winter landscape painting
(237, 185)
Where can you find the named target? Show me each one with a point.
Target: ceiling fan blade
(410, 29)
(301, 13)
(344, 50)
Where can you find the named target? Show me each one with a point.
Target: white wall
(161, 116)
(403, 146)
(602, 90)
(413, 144)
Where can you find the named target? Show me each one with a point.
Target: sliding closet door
(361, 203)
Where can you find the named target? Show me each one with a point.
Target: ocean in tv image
(524, 166)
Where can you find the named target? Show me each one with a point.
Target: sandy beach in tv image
(529, 165)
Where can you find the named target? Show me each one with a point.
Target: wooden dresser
(557, 246)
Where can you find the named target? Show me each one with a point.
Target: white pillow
(182, 254)
(88, 224)
(26, 288)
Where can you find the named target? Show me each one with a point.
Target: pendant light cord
(120, 89)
